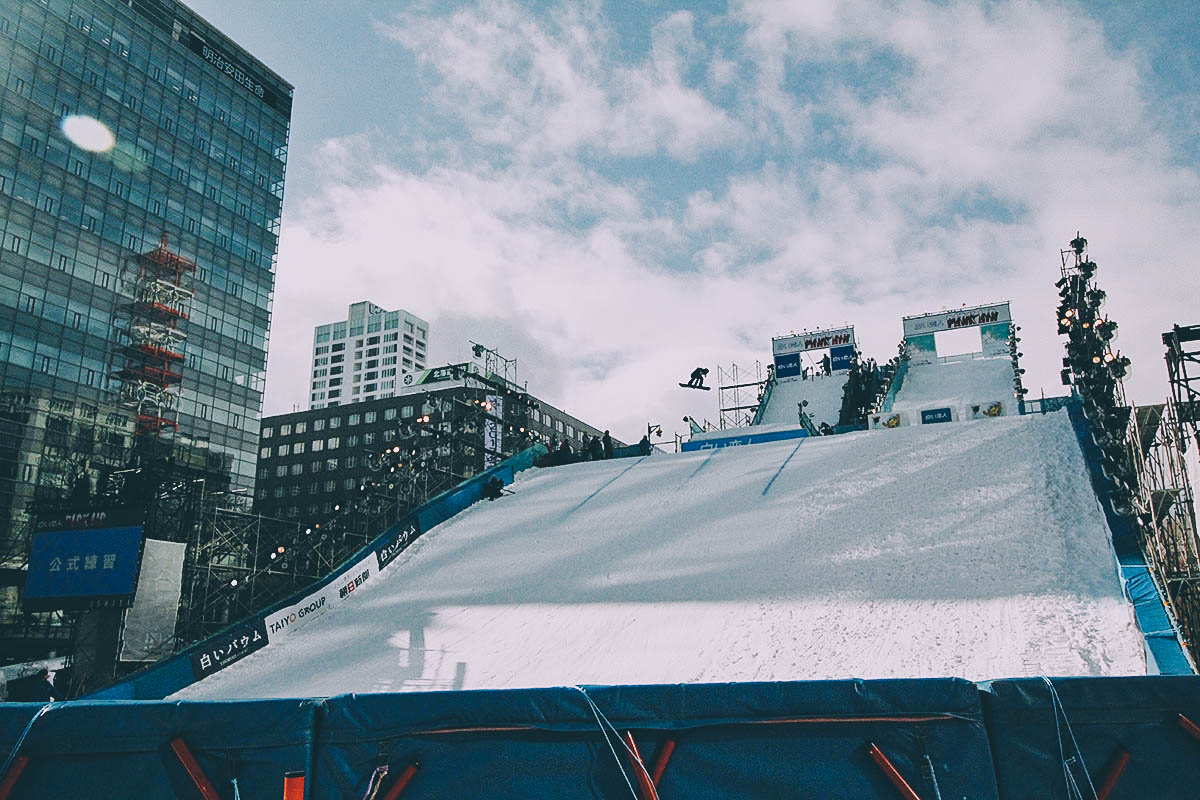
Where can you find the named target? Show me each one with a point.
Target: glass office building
(129, 127)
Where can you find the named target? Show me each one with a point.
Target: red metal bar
(645, 787)
(660, 761)
(892, 773)
(293, 786)
(1189, 726)
(14, 772)
(401, 782)
(194, 771)
(1112, 775)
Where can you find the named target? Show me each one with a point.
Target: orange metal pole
(892, 773)
(660, 763)
(401, 782)
(1112, 775)
(293, 786)
(1189, 726)
(193, 770)
(14, 773)
(645, 787)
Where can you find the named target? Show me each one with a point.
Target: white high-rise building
(362, 357)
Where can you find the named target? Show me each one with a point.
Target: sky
(614, 193)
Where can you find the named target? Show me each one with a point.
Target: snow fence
(1118, 738)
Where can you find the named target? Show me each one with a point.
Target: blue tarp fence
(945, 738)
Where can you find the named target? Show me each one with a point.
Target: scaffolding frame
(733, 391)
(150, 362)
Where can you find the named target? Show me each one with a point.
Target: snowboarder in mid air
(697, 379)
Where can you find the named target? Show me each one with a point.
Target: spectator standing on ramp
(595, 449)
(607, 443)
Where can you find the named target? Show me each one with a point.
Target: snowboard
(685, 386)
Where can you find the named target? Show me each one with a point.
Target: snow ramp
(823, 394)
(960, 388)
(974, 550)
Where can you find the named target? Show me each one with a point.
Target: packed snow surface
(958, 384)
(974, 550)
(823, 393)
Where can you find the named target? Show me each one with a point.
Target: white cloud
(553, 83)
(979, 140)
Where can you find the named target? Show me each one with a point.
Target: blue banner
(75, 569)
(840, 357)
(737, 441)
(787, 365)
(936, 415)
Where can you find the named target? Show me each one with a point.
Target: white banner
(960, 318)
(286, 621)
(492, 431)
(149, 633)
(813, 340)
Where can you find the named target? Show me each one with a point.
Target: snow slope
(957, 385)
(823, 393)
(974, 550)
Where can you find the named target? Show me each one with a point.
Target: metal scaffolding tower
(150, 363)
(734, 393)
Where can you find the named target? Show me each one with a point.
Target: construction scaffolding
(734, 393)
(1163, 440)
(150, 362)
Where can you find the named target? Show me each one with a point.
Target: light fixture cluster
(1096, 370)
(1019, 389)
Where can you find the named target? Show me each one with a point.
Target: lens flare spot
(88, 133)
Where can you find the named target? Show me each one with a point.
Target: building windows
(283, 450)
(318, 424)
(370, 417)
(354, 419)
(298, 448)
(285, 429)
(318, 446)
(264, 452)
(301, 427)
(280, 470)
(389, 413)
(297, 468)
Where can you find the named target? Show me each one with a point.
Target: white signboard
(492, 431)
(813, 340)
(959, 318)
(149, 633)
(287, 620)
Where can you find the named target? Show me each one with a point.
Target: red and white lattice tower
(150, 362)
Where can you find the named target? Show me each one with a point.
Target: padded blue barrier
(897, 382)
(99, 749)
(762, 404)
(1034, 726)
(172, 674)
(731, 740)
(1162, 644)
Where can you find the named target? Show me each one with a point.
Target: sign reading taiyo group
(813, 340)
(959, 318)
